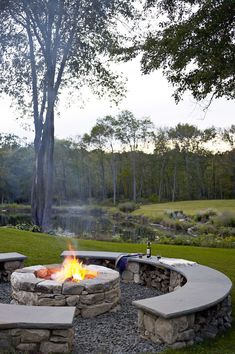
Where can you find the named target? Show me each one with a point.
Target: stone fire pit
(91, 297)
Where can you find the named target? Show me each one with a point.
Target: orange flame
(73, 270)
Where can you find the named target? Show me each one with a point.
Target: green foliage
(205, 215)
(47, 46)
(128, 207)
(176, 224)
(193, 43)
(226, 219)
(181, 168)
(28, 227)
(204, 240)
(205, 229)
(153, 198)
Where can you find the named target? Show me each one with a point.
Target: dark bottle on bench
(148, 252)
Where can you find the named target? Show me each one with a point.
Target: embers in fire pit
(70, 270)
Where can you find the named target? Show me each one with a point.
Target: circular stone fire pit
(91, 297)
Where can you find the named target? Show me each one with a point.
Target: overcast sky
(147, 96)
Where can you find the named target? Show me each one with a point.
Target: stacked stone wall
(181, 331)
(7, 268)
(163, 279)
(186, 330)
(36, 340)
(93, 298)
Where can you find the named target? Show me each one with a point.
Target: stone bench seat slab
(205, 287)
(37, 317)
(92, 254)
(12, 256)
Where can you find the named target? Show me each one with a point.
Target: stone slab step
(20, 316)
(12, 256)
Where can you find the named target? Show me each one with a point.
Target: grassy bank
(188, 207)
(45, 249)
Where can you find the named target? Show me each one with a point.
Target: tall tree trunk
(174, 184)
(161, 180)
(133, 153)
(114, 178)
(42, 189)
(188, 187)
(102, 175)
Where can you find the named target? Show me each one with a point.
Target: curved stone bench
(200, 306)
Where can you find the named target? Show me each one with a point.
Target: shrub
(28, 227)
(205, 215)
(107, 202)
(176, 224)
(153, 198)
(175, 214)
(225, 219)
(157, 219)
(128, 207)
(206, 229)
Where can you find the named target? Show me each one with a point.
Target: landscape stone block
(127, 276)
(91, 299)
(12, 265)
(72, 300)
(133, 267)
(49, 286)
(70, 288)
(95, 310)
(27, 347)
(50, 347)
(33, 335)
(63, 333)
(149, 323)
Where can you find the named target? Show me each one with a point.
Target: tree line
(46, 46)
(125, 158)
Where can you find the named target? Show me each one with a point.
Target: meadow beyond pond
(46, 249)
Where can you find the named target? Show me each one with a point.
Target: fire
(73, 270)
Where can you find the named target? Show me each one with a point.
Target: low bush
(205, 229)
(153, 198)
(28, 227)
(128, 207)
(107, 202)
(157, 219)
(175, 214)
(205, 215)
(226, 219)
(209, 240)
(177, 224)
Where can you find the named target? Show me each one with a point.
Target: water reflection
(92, 223)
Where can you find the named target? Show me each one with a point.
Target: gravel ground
(110, 333)
(115, 333)
(5, 293)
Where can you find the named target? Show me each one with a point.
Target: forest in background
(125, 158)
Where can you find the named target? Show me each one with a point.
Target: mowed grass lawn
(45, 249)
(188, 207)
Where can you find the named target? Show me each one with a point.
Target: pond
(91, 223)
